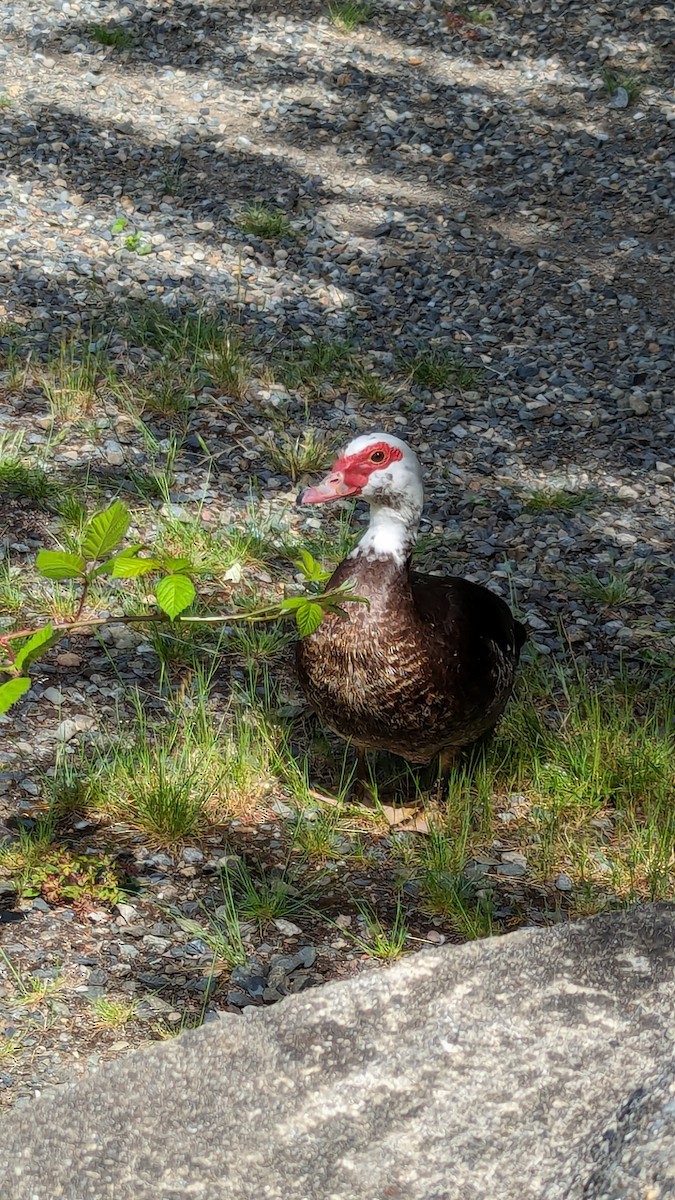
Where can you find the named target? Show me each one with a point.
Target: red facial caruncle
(351, 473)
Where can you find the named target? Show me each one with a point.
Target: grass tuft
(349, 14)
(113, 35)
(308, 454)
(614, 78)
(434, 368)
(544, 500)
(261, 221)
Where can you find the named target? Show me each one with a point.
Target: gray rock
(438, 1078)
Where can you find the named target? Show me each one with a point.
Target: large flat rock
(537, 1065)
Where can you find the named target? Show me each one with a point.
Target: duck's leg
(362, 791)
(446, 761)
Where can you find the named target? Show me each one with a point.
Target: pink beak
(333, 487)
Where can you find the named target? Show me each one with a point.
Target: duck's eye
(377, 456)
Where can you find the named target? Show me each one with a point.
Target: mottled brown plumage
(428, 666)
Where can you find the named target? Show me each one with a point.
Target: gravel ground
(468, 186)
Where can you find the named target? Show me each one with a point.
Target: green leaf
(57, 564)
(106, 568)
(292, 603)
(125, 567)
(119, 225)
(29, 650)
(105, 530)
(311, 569)
(176, 564)
(309, 617)
(12, 691)
(174, 594)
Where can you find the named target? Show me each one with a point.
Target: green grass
(309, 454)
(13, 592)
(113, 36)
(321, 838)
(71, 380)
(369, 385)
(263, 897)
(552, 500)
(438, 369)
(612, 590)
(18, 477)
(261, 221)
(308, 368)
(349, 14)
(614, 78)
(478, 16)
(113, 1014)
(380, 942)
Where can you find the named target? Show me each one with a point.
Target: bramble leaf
(309, 617)
(174, 594)
(58, 564)
(31, 649)
(105, 530)
(12, 691)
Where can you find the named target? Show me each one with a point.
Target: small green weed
(478, 16)
(113, 36)
(24, 482)
(261, 221)
(349, 14)
(308, 367)
(552, 500)
(5, 102)
(434, 368)
(113, 1014)
(71, 381)
(320, 839)
(612, 590)
(136, 243)
(60, 876)
(10, 1048)
(380, 942)
(227, 362)
(305, 455)
(370, 386)
(613, 79)
(12, 594)
(263, 897)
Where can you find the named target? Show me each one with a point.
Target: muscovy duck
(427, 667)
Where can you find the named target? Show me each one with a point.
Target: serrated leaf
(12, 691)
(174, 594)
(176, 564)
(57, 564)
(291, 603)
(126, 567)
(30, 649)
(105, 568)
(311, 569)
(105, 530)
(309, 617)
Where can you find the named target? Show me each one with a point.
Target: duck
(422, 668)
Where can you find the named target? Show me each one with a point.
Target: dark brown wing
(467, 610)
(477, 644)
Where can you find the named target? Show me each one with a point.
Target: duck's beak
(333, 487)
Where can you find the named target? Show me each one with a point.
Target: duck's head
(377, 467)
(384, 471)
